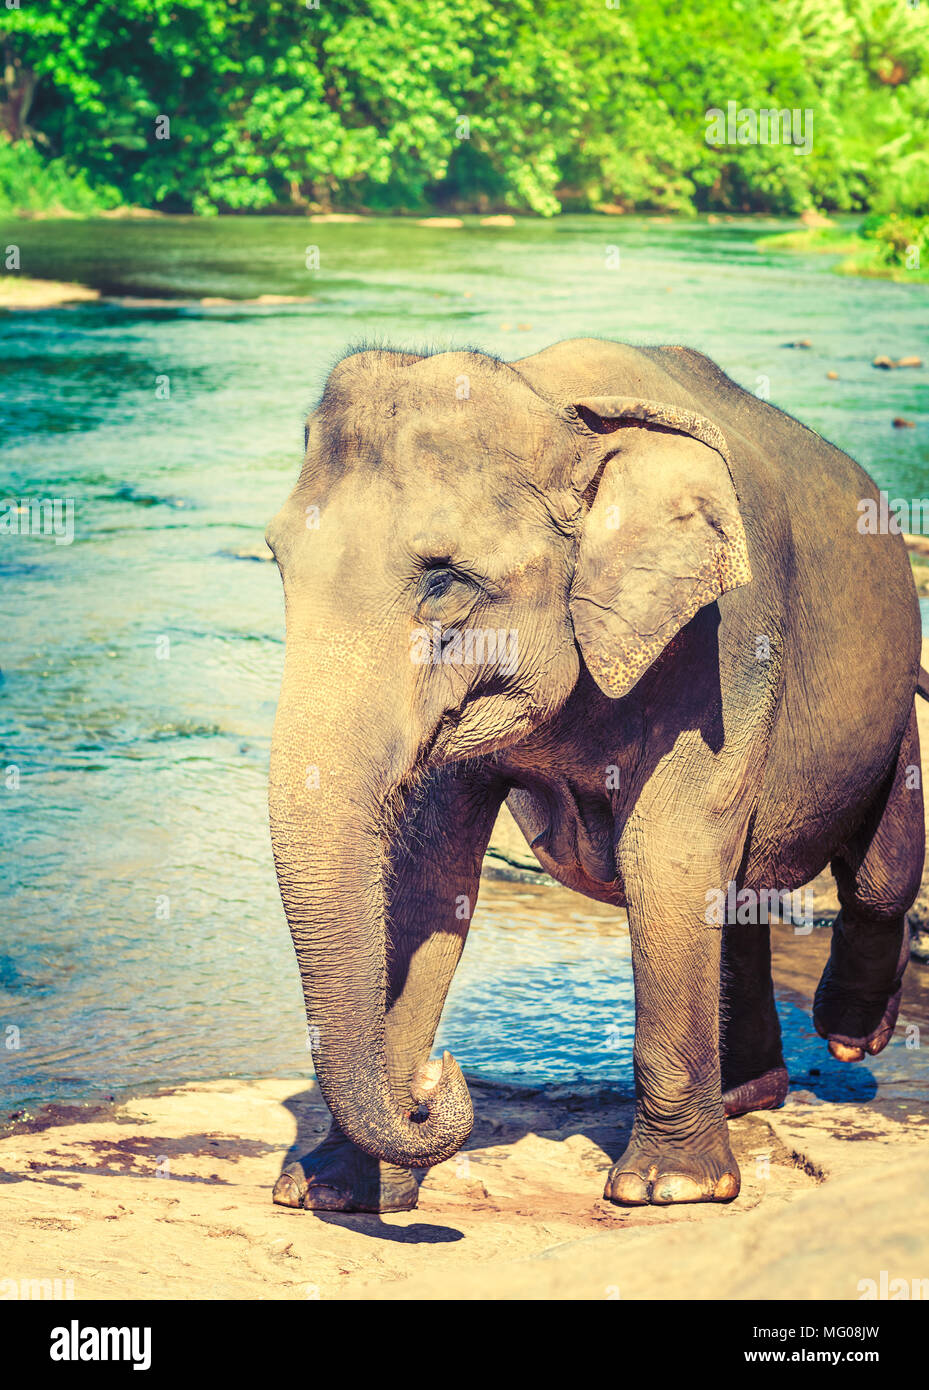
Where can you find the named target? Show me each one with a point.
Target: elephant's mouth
(576, 836)
(495, 717)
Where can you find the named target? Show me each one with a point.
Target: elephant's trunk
(333, 774)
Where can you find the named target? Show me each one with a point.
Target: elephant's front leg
(679, 1148)
(434, 881)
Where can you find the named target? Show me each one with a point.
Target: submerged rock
(248, 552)
(888, 363)
(919, 942)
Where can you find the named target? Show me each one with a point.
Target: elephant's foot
(661, 1172)
(338, 1176)
(765, 1092)
(844, 1028)
(857, 1012)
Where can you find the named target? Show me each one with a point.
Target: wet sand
(22, 292)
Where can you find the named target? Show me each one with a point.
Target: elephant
(609, 587)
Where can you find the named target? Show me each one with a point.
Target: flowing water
(143, 938)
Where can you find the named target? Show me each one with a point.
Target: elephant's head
(454, 545)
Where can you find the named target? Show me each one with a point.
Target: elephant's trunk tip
(440, 1121)
(438, 1087)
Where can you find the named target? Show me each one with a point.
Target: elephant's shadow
(504, 1114)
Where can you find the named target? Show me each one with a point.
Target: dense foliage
(405, 104)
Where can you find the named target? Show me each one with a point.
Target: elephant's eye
(443, 582)
(437, 582)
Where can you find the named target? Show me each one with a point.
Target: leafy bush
(895, 239)
(30, 184)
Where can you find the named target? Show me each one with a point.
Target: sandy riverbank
(168, 1196)
(21, 292)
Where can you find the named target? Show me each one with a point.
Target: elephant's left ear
(663, 535)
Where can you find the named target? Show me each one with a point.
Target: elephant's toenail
(843, 1053)
(288, 1192)
(726, 1188)
(627, 1189)
(319, 1197)
(676, 1187)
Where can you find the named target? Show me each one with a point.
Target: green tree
(528, 104)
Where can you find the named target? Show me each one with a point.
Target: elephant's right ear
(663, 535)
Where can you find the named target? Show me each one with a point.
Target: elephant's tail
(922, 683)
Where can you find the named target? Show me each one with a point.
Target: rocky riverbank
(22, 292)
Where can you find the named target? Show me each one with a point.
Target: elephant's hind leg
(753, 1073)
(878, 877)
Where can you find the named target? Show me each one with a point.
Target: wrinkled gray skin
(672, 722)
